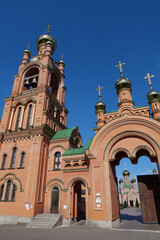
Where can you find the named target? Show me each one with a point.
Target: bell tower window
(22, 159)
(13, 157)
(4, 161)
(29, 115)
(31, 78)
(18, 118)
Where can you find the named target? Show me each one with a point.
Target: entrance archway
(78, 201)
(149, 202)
(55, 200)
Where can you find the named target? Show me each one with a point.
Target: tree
(137, 203)
(125, 204)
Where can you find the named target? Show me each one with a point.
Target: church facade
(44, 167)
(128, 191)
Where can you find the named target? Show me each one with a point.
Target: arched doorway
(148, 193)
(55, 200)
(78, 201)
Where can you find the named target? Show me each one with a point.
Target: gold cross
(149, 79)
(28, 46)
(120, 67)
(99, 92)
(48, 28)
(62, 57)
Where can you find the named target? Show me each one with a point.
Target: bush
(125, 204)
(137, 203)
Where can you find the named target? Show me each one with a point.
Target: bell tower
(32, 114)
(41, 81)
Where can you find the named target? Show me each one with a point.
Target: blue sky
(93, 36)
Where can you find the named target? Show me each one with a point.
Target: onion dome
(27, 52)
(61, 62)
(47, 38)
(100, 106)
(153, 95)
(126, 173)
(133, 180)
(120, 180)
(123, 82)
(154, 171)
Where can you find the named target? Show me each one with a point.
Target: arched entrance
(147, 191)
(129, 136)
(78, 200)
(55, 200)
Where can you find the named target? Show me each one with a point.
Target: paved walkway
(20, 232)
(131, 218)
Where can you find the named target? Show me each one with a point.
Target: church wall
(27, 176)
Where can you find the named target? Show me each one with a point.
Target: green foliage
(125, 204)
(137, 203)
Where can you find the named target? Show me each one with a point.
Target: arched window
(18, 118)
(13, 193)
(22, 160)
(1, 192)
(76, 165)
(13, 158)
(8, 190)
(68, 165)
(29, 115)
(4, 161)
(57, 161)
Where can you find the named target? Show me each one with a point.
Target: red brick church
(44, 167)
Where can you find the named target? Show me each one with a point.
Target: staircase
(45, 221)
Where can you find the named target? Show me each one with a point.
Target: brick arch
(30, 65)
(30, 99)
(54, 181)
(136, 126)
(54, 147)
(13, 177)
(73, 180)
(123, 150)
(153, 149)
(18, 103)
(143, 147)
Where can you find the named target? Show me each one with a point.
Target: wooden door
(149, 191)
(55, 200)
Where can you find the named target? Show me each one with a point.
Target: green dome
(126, 173)
(120, 180)
(27, 52)
(100, 106)
(154, 170)
(133, 180)
(61, 62)
(153, 95)
(46, 38)
(123, 82)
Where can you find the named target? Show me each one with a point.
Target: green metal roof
(127, 186)
(64, 133)
(74, 151)
(88, 144)
(77, 151)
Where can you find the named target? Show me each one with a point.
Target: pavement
(79, 231)
(20, 232)
(131, 218)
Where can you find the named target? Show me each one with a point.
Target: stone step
(45, 221)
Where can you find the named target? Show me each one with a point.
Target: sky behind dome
(93, 36)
